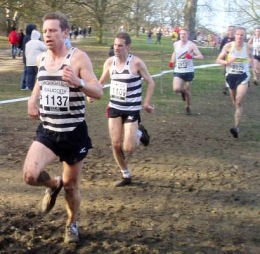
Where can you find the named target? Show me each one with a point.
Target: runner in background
(182, 57)
(254, 43)
(236, 57)
(228, 38)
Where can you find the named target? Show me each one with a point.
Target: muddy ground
(195, 188)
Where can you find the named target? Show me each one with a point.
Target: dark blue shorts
(71, 146)
(234, 80)
(187, 77)
(127, 116)
(257, 58)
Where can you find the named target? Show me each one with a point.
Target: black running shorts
(257, 58)
(187, 77)
(70, 147)
(234, 80)
(127, 116)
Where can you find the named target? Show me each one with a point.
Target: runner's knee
(129, 148)
(176, 89)
(29, 177)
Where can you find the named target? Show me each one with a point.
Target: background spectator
(14, 41)
(33, 49)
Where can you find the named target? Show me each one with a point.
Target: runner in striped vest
(123, 111)
(65, 77)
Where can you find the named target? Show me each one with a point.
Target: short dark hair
(125, 36)
(241, 28)
(64, 21)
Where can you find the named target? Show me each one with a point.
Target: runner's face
(183, 35)
(52, 34)
(120, 48)
(231, 31)
(257, 32)
(240, 35)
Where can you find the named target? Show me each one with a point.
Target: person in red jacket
(14, 41)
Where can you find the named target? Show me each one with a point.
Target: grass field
(155, 56)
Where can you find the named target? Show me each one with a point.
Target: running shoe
(123, 182)
(255, 83)
(71, 233)
(145, 139)
(183, 96)
(188, 111)
(50, 196)
(234, 132)
(225, 91)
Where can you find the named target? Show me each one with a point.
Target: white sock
(139, 134)
(126, 173)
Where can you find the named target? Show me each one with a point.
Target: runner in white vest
(182, 57)
(236, 56)
(254, 43)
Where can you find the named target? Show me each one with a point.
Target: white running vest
(256, 46)
(241, 63)
(182, 65)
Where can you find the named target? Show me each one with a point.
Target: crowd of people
(54, 68)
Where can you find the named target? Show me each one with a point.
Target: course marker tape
(107, 85)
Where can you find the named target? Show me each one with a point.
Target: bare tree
(101, 12)
(139, 10)
(247, 12)
(190, 12)
(174, 10)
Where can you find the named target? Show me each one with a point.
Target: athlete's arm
(173, 57)
(221, 59)
(250, 42)
(105, 75)
(250, 59)
(141, 67)
(196, 52)
(33, 108)
(81, 68)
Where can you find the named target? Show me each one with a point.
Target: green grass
(156, 58)
(208, 82)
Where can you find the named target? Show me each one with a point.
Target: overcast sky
(220, 20)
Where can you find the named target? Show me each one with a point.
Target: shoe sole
(69, 239)
(188, 111)
(124, 182)
(234, 133)
(49, 199)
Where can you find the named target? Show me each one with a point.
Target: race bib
(118, 91)
(237, 67)
(55, 99)
(182, 63)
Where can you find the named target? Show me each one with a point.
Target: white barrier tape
(108, 85)
(14, 100)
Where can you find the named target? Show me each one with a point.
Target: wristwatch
(82, 83)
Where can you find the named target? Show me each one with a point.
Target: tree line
(109, 15)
